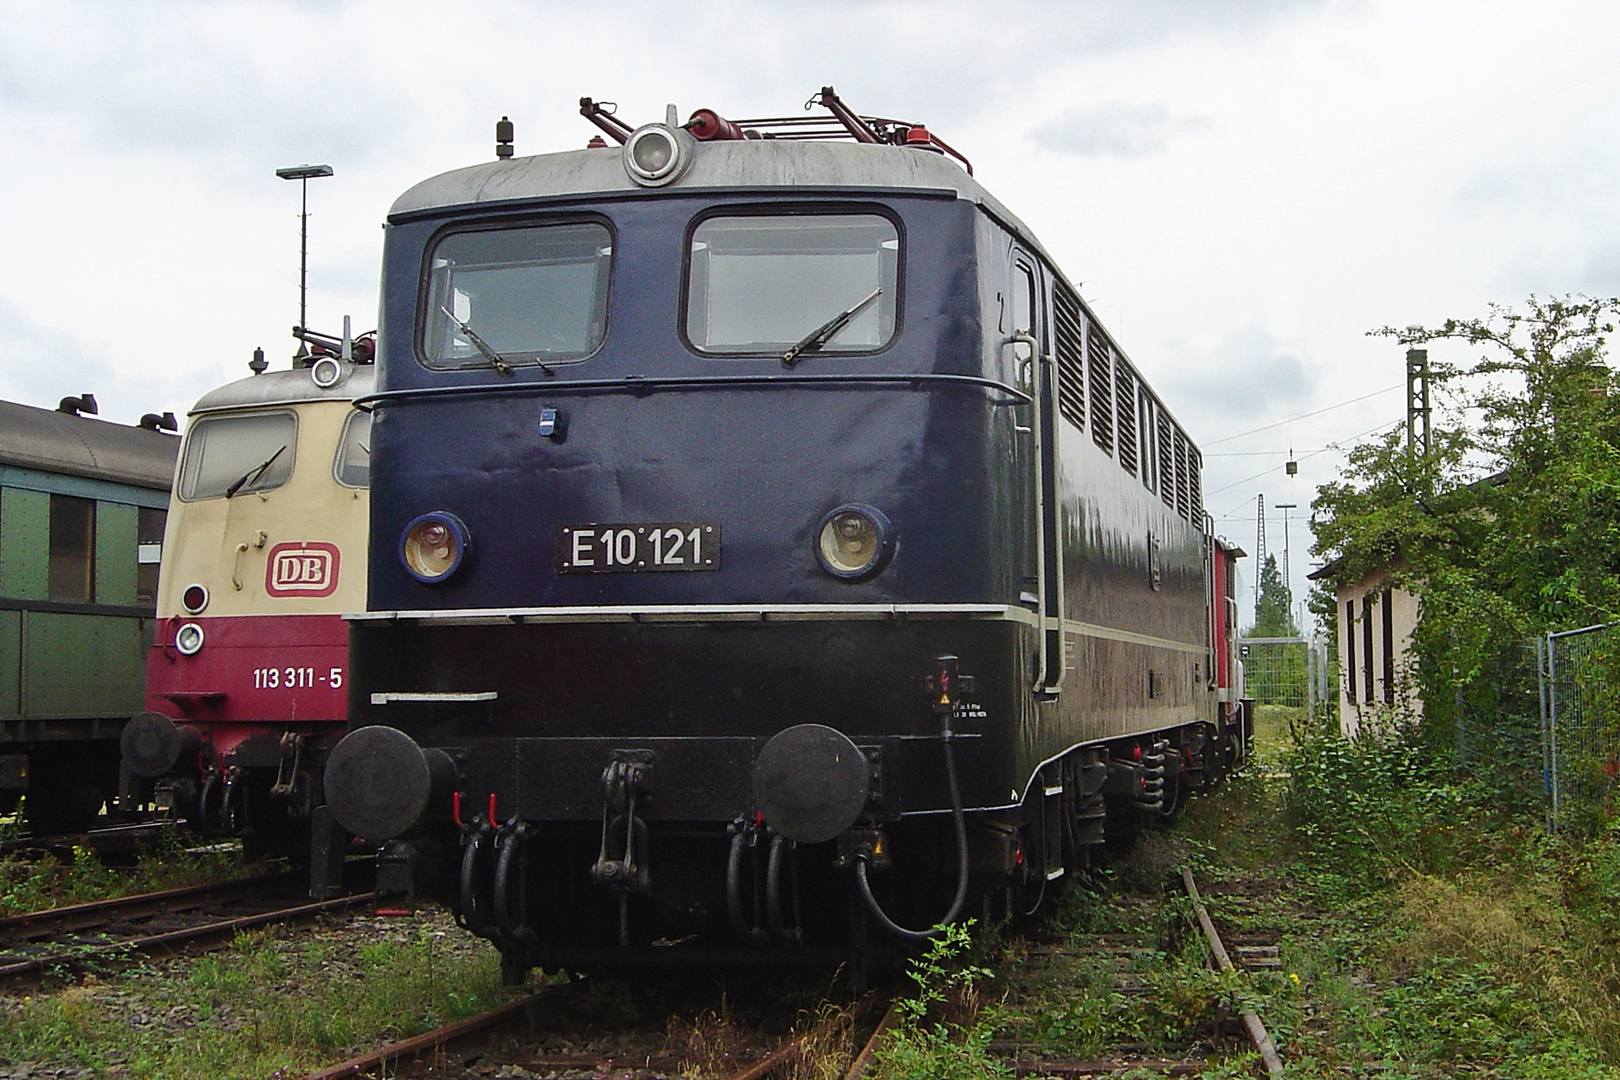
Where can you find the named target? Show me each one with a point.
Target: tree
(1273, 610)
(1509, 523)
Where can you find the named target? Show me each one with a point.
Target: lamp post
(303, 174)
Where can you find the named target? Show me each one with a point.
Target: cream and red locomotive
(264, 551)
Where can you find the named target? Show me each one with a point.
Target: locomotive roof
(290, 386)
(59, 442)
(731, 164)
(820, 166)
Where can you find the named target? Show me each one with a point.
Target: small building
(1375, 622)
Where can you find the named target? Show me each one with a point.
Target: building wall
(1376, 620)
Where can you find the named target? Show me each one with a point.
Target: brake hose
(960, 822)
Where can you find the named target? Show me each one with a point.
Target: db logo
(305, 569)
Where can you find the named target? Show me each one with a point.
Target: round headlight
(854, 541)
(433, 546)
(188, 640)
(656, 155)
(326, 372)
(194, 598)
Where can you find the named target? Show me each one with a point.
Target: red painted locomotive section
(280, 669)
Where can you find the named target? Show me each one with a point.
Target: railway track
(1160, 930)
(199, 917)
(108, 839)
(513, 1040)
(534, 1036)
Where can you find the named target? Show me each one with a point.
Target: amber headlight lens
(854, 542)
(433, 546)
(189, 639)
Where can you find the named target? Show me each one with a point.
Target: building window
(1389, 647)
(149, 523)
(1350, 651)
(1367, 647)
(72, 549)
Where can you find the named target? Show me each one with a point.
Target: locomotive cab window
(353, 465)
(767, 284)
(238, 455)
(536, 294)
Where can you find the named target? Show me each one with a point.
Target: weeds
(37, 884)
(262, 1006)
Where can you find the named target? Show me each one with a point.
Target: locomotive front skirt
(767, 549)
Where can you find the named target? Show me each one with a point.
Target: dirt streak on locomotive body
(246, 679)
(751, 517)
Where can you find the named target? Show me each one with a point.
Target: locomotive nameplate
(637, 547)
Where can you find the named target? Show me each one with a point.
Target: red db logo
(304, 569)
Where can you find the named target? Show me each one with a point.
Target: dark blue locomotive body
(682, 617)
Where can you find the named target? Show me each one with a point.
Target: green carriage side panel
(10, 666)
(83, 666)
(25, 528)
(116, 541)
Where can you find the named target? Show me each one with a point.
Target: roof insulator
(596, 143)
(503, 138)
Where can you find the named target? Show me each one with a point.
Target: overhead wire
(1325, 449)
(1301, 416)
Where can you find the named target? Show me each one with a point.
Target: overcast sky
(1243, 188)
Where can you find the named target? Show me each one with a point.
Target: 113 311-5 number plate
(631, 547)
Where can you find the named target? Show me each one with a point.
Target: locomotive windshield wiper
(253, 474)
(496, 360)
(824, 333)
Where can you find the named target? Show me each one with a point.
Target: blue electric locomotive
(768, 545)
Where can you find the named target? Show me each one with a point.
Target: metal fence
(1290, 671)
(1580, 722)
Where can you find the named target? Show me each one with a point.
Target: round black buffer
(379, 782)
(152, 744)
(811, 783)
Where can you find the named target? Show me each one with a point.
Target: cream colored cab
(269, 511)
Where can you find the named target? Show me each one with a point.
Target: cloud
(1248, 373)
(1117, 129)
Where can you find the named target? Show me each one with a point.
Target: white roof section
(726, 164)
(287, 387)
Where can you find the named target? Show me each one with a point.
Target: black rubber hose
(739, 925)
(960, 821)
(503, 882)
(469, 890)
(773, 896)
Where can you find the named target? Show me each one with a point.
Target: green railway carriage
(82, 510)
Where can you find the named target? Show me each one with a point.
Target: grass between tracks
(1428, 927)
(273, 1005)
(33, 884)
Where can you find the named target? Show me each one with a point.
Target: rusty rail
(1251, 1021)
(174, 940)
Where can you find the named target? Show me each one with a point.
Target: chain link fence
(1580, 723)
(1287, 671)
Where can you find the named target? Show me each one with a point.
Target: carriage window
(764, 284)
(149, 523)
(527, 296)
(353, 465)
(238, 455)
(72, 549)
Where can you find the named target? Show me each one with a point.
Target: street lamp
(303, 174)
